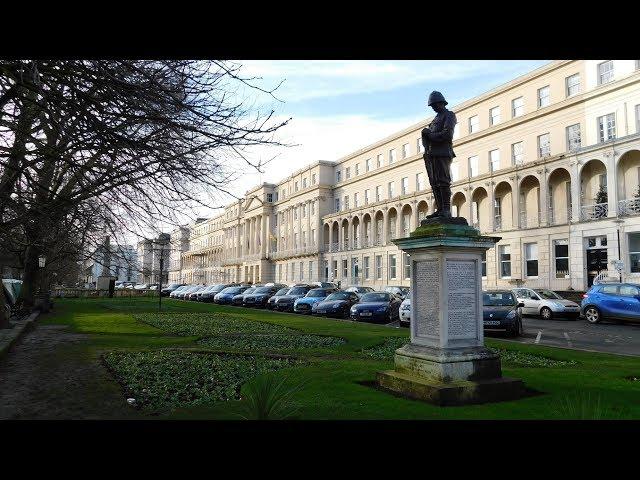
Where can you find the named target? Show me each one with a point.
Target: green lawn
(334, 376)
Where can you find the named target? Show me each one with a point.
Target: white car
(405, 311)
(545, 303)
(141, 286)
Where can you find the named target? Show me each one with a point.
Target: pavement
(606, 337)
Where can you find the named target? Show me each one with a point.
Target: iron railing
(594, 212)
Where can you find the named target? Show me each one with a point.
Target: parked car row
(317, 298)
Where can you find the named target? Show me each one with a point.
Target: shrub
(269, 398)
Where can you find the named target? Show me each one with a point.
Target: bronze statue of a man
(437, 139)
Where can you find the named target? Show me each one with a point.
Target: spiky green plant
(268, 397)
(584, 406)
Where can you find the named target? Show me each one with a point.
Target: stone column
(544, 197)
(491, 197)
(307, 206)
(612, 183)
(446, 362)
(385, 228)
(576, 202)
(515, 202)
(340, 235)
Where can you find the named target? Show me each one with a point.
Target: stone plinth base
(450, 376)
(452, 393)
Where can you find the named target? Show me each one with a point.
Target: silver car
(405, 311)
(545, 303)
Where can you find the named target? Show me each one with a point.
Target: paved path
(48, 374)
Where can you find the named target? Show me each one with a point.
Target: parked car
(338, 304)
(325, 285)
(177, 291)
(238, 299)
(141, 286)
(166, 291)
(611, 301)
(276, 296)
(397, 290)
(545, 303)
(209, 295)
(261, 295)
(303, 305)
(405, 311)
(358, 290)
(195, 293)
(153, 286)
(501, 312)
(191, 288)
(285, 302)
(225, 296)
(378, 307)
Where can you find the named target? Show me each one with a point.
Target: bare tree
(136, 140)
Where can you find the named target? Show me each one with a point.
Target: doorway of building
(596, 257)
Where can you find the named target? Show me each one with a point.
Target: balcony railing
(529, 221)
(557, 219)
(497, 223)
(629, 207)
(295, 252)
(594, 212)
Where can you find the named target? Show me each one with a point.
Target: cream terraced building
(549, 162)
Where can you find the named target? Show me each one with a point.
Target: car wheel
(516, 331)
(546, 313)
(593, 315)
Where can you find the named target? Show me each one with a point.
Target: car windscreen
(498, 299)
(298, 291)
(548, 295)
(282, 291)
(249, 290)
(317, 292)
(231, 290)
(262, 290)
(376, 297)
(339, 296)
(217, 288)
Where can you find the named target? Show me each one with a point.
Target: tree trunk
(4, 317)
(30, 278)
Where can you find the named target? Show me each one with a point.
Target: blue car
(619, 301)
(338, 304)
(225, 297)
(377, 307)
(305, 304)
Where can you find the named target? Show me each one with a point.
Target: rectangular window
(357, 169)
(313, 237)
(347, 173)
(367, 165)
(494, 116)
(484, 264)
(404, 185)
(419, 182)
(367, 194)
(574, 141)
(456, 131)
(380, 160)
(301, 270)
(392, 156)
(338, 176)
(378, 193)
(605, 72)
(494, 160)
(366, 268)
(544, 145)
(391, 189)
(517, 107)
(355, 200)
(607, 127)
(304, 183)
(392, 267)
(295, 213)
(275, 196)
(296, 186)
(335, 269)
(561, 256)
(337, 200)
(313, 179)
(544, 96)
(407, 265)
(531, 259)
(634, 252)
(517, 153)
(473, 166)
(311, 275)
(405, 150)
(505, 261)
(474, 124)
(419, 146)
(313, 208)
(346, 202)
(269, 197)
(455, 172)
(295, 240)
(573, 85)
(345, 268)
(379, 267)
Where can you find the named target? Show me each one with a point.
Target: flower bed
(165, 379)
(270, 341)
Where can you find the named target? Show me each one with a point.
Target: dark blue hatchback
(620, 301)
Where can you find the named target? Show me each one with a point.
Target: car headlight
(557, 304)
(382, 309)
(511, 315)
(354, 309)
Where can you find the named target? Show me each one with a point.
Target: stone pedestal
(446, 362)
